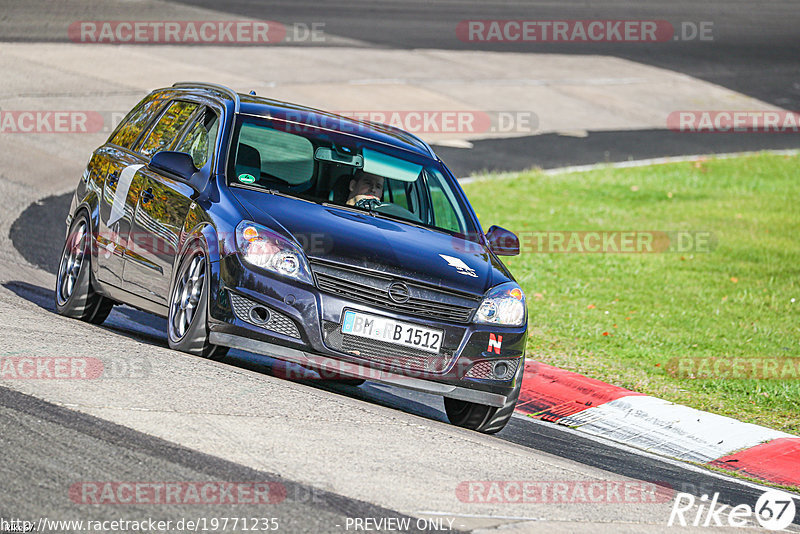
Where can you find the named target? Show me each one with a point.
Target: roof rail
(426, 145)
(422, 143)
(217, 87)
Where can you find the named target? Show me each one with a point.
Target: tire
(483, 418)
(187, 321)
(74, 296)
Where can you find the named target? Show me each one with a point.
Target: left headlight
(261, 247)
(502, 305)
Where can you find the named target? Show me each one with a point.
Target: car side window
(201, 138)
(168, 128)
(134, 122)
(397, 193)
(443, 200)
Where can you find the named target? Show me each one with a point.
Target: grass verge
(652, 321)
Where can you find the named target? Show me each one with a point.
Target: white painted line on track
(631, 449)
(484, 516)
(672, 429)
(621, 164)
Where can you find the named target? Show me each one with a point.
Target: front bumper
(331, 365)
(316, 342)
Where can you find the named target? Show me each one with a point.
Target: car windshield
(346, 170)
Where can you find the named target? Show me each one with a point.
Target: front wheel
(187, 322)
(482, 418)
(74, 294)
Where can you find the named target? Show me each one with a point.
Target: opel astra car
(337, 245)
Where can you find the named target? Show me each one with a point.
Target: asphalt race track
(337, 452)
(754, 52)
(157, 459)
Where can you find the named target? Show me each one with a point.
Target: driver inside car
(365, 186)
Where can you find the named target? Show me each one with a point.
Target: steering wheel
(369, 204)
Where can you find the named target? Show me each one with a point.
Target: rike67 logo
(774, 510)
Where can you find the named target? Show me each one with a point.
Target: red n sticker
(495, 342)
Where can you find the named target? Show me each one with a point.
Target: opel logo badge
(398, 292)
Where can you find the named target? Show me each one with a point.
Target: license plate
(391, 331)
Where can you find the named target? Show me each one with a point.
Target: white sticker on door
(123, 185)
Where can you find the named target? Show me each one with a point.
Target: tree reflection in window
(169, 126)
(199, 142)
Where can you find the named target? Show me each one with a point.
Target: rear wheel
(480, 417)
(187, 322)
(74, 294)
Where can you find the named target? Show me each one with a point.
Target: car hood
(362, 240)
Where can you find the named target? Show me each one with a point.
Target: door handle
(113, 178)
(147, 195)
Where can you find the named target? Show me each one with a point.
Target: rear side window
(168, 128)
(132, 125)
(201, 138)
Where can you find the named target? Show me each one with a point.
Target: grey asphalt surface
(755, 47)
(68, 429)
(548, 151)
(63, 447)
(755, 51)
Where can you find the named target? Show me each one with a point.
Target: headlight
(263, 248)
(503, 305)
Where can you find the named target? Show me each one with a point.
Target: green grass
(732, 302)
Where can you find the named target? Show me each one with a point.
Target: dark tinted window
(274, 156)
(168, 127)
(133, 124)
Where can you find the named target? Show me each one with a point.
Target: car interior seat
(341, 188)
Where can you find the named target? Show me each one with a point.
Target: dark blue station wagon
(342, 246)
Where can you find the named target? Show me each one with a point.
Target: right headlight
(263, 248)
(503, 305)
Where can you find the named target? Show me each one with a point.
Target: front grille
(485, 370)
(277, 321)
(389, 354)
(372, 288)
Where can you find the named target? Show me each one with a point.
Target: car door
(120, 189)
(163, 201)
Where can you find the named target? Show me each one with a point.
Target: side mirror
(175, 164)
(502, 242)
